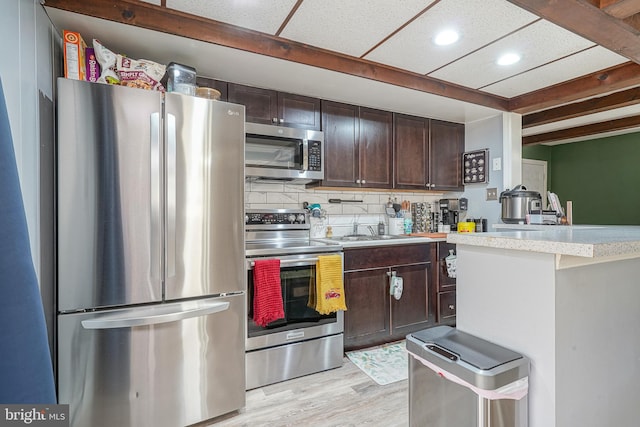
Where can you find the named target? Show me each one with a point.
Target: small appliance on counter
(539, 217)
(518, 203)
(450, 211)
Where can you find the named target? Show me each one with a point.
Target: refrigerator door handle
(171, 195)
(162, 313)
(155, 182)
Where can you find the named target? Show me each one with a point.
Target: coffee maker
(450, 211)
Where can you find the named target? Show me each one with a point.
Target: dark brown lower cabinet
(374, 316)
(446, 286)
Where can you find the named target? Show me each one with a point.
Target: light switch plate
(497, 164)
(492, 194)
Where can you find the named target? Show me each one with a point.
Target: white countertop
(592, 241)
(400, 240)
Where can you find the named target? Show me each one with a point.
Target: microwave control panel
(315, 156)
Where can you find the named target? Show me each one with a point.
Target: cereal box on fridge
(92, 66)
(74, 62)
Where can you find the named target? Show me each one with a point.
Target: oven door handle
(297, 261)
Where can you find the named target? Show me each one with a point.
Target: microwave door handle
(305, 155)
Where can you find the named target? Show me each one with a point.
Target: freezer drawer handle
(152, 316)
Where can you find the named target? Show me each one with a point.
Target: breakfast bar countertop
(595, 241)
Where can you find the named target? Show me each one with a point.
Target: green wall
(601, 177)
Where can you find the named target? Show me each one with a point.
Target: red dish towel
(267, 294)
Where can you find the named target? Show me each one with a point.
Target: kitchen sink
(367, 237)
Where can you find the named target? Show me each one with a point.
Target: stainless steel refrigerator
(150, 248)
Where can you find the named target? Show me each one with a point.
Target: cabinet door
(447, 307)
(414, 310)
(219, 85)
(261, 105)
(298, 111)
(366, 321)
(341, 127)
(446, 148)
(445, 283)
(411, 152)
(375, 148)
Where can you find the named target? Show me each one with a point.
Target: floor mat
(385, 364)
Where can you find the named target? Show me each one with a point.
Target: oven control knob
(291, 218)
(301, 219)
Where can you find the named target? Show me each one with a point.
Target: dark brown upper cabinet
(427, 153)
(219, 85)
(358, 146)
(446, 148)
(276, 108)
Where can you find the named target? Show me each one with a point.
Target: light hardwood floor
(341, 397)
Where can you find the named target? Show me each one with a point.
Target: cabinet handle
(427, 185)
(274, 120)
(452, 307)
(357, 181)
(281, 120)
(364, 181)
(433, 185)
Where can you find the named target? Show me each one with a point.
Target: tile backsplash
(340, 216)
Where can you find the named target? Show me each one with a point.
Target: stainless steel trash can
(437, 401)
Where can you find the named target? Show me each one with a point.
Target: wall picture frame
(475, 167)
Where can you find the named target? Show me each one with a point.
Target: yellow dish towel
(329, 295)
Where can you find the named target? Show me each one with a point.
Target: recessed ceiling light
(446, 37)
(508, 59)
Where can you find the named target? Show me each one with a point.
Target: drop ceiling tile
(351, 27)
(538, 44)
(478, 23)
(585, 62)
(264, 16)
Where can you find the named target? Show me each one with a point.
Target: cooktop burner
(289, 247)
(281, 232)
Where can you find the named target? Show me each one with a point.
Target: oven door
(297, 273)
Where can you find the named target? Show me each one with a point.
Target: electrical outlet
(497, 164)
(492, 194)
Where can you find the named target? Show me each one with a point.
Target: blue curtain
(26, 374)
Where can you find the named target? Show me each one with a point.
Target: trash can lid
(475, 351)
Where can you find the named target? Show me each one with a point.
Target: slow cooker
(517, 203)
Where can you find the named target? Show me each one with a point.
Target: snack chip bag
(141, 73)
(107, 61)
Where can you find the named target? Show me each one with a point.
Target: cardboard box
(91, 65)
(74, 61)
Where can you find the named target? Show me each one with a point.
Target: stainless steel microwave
(276, 153)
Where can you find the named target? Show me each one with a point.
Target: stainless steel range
(304, 341)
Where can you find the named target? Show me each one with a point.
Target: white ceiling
(396, 33)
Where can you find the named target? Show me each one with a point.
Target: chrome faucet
(371, 230)
(355, 228)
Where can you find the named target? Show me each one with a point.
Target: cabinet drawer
(365, 258)
(446, 305)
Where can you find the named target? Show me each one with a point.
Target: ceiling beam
(584, 18)
(583, 108)
(157, 18)
(620, 8)
(583, 131)
(610, 80)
